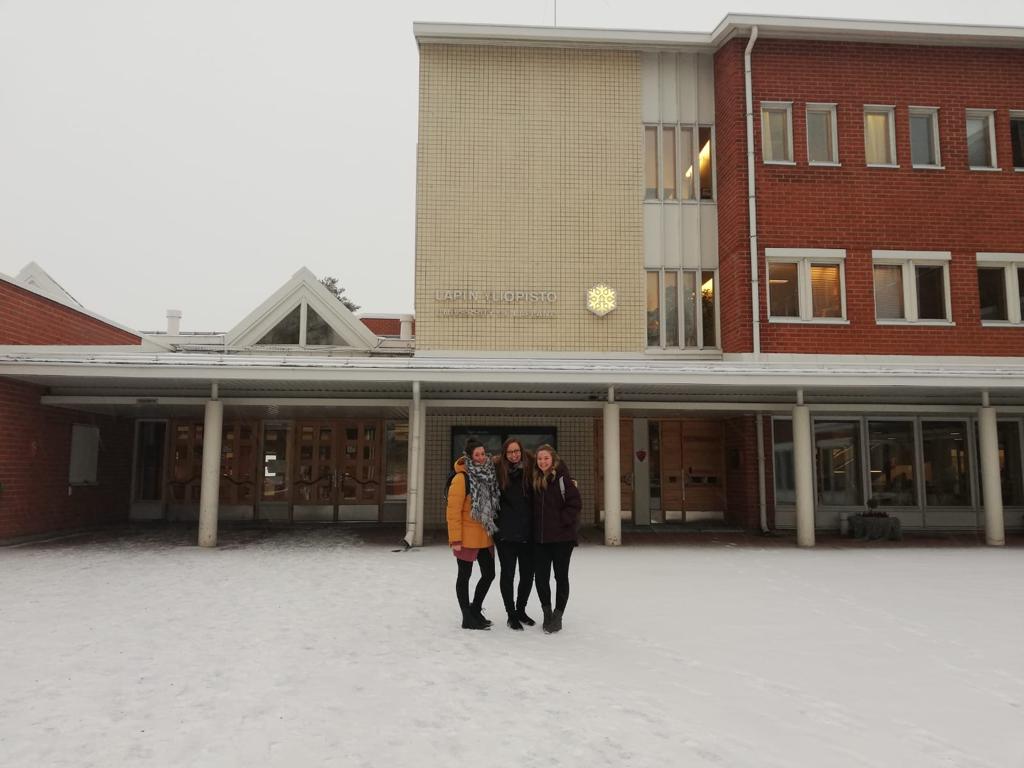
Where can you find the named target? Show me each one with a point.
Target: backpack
(448, 484)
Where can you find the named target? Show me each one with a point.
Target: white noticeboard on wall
(85, 446)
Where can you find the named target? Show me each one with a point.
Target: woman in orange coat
(471, 511)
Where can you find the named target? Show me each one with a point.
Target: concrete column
(612, 497)
(991, 485)
(209, 492)
(421, 427)
(803, 471)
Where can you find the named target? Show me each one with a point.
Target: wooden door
(625, 465)
(314, 470)
(704, 461)
(360, 465)
(672, 491)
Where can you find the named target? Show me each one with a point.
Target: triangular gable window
(319, 333)
(286, 331)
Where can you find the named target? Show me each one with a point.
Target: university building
(762, 276)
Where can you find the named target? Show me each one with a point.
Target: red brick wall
(384, 326)
(861, 209)
(34, 458)
(28, 318)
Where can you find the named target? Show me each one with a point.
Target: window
(891, 451)
(782, 461)
(681, 309)
(1011, 478)
(837, 449)
(668, 162)
(777, 131)
(706, 162)
(493, 437)
(286, 331)
(879, 135)
(924, 137)
(85, 449)
(912, 286)
(981, 139)
(806, 284)
(822, 137)
(1001, 288)
(1017, 139)
(945, 469)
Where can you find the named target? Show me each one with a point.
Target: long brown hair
(540, 479)
(504, 467)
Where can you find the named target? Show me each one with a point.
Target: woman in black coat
(556, 516)
(515, 526)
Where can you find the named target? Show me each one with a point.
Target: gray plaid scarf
(484, 484)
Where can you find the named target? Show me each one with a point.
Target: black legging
(486, 561)
(509, 553)
(555, 554)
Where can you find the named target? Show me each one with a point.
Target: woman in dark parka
(515, 526)
(556, 515)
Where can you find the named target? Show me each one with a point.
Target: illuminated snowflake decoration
(601, 299)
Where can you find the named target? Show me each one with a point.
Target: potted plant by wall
(875, 523)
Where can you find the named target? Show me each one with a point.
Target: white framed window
(981, 140)
(912, 287)
(924, 138)
(777, 131)
(1001, 288)
(822, 136)
(806, 284)
(880, 135)
(1017, 139)
(682, 309)
(668, 162)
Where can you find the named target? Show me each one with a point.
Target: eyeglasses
(512, 451)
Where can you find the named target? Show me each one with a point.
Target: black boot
(478, 614)
(521, 615)
(555, 625)
(547, 617)
(513, 622)
(471, 620)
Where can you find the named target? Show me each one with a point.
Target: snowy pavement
(314, 648)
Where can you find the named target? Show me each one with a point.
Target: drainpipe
(755, 290)
(762, 491)
(412, 475)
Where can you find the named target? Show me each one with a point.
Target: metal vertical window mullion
(805, 297)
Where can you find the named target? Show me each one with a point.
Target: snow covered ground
(313, 648)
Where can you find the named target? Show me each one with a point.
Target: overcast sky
(194, 154)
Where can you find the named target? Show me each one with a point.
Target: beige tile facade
(575, 446)
(529, 182)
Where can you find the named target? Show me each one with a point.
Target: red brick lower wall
(742, 495)
(35, 449)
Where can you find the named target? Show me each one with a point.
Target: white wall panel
(669, 88)
(706, 88)
(687, 82)
(691, 236)
(652, 235)
(649, 88)
(709, 236)
(673, 229)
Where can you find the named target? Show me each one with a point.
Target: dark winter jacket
(515, 515)
(556, 518)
